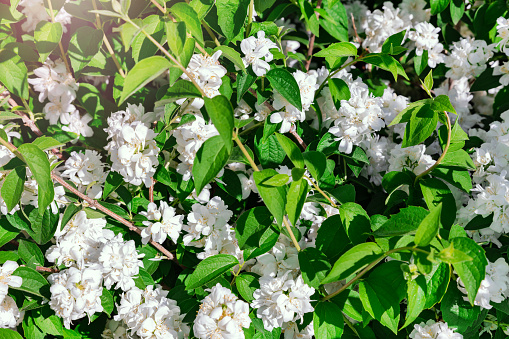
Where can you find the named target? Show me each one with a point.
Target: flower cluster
(167, 223)
(207, 72)
(434, 330)
(257, 53)
(221, 315)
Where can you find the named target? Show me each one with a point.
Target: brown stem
(312, 39)
(299, 139)
(47, 269)
(151, 190)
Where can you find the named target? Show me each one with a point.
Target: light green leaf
(442, 103)
(177, 32)
(232, 55)
(220, 111)
(6, 333)
(296, 198)
(142, 73)
(83, 46)
(210, 159)
(273, 197)
(291, 150)
(47, 35)
(327, 321)
(209, 269)
(246, 284)
(186, 13)
(277, 180)
(422, 124)
(13, 73)
(339, 49)
(339, 90)
(39, 165)
(316, 162)
(435, 192)
(33, 282)
(314, 266)
(458, 158)
(428, 228)
(28, 250)
(284, 82)
(46, 143)
(231, 16)
(437, 283)
(416, 297)
(47, 321)
(107, 302)
(379, 299)
(471, 272)
(385, 62)
(13, 186)
(354, 260)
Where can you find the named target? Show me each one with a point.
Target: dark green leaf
(220, 111)
(209, 269)
(284, 82)
(13, 186)
(210, 159)
(83, 46)
(291, 150)
(327, 322)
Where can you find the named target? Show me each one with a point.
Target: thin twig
(64, 58)
(151, 190)
(47, 269)
(359, 40)
(298, 138)
(312, 39)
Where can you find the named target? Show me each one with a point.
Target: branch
(47, 269)
(312, 40)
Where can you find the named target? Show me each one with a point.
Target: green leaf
(284, 82)
(458, 312)
(7, 231)
(210, 159)
(177, 32)
(46, 143)
(428, 228)
(405, 222)
(421, 62)
(182, 89)
(47, 321)
(416, 297)
(392, 45)
(436, 192)
(246, 284)
(107, 302)
(244, 81)
(231, 16)
(308, 12)
(354, 260)
(385, 62)
(6, 333)
(47, 35)
(437, 6)
(436, 284)
(332, 238)
(428, 82)
(277, 180)
(141, 74)
(327, 321)
(422, 124)
(291, 150)
(450, 255)
(470, 272)
(458, 158)
(379, 299)
(220, 111)
(83, 46)
(458, 178)
(316, 162)
(113, 181)
(209, 269)
(458, 137)
(339, 90)
(273, 197)
(13, 74)
(296, 198)
(28, 250)
(443, 103)
(13, 186)
(232, 55)
(339, 49)
(337, 20)
(38, 163)
(43, 225)
(486, 80)
(314, 266)
(33, 282)
(457, 8)
(186, 13)
(355, 221)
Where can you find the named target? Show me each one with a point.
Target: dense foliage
(254, 169)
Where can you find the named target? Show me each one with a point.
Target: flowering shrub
(254, 169)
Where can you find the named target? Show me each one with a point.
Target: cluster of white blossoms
(467, 58)
(207, 72)
(35, 12)
(76, 293)
(425, 36)
(116, 330)
(282, 299)
(95, 254)
(86, 171)
(190, 137)
(207, 228)
(381, 24)
(257, 53)
(162, 222)
(221, 315)
(412, 158)
(434, 330)
(286, 113)
(279, 261)
(56, 84)
(503, 34)
(494, 287)
(150, 314)
(132, 146)
(10, 315)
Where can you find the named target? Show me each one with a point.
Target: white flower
(207, 72)
(415, 8)
(35, 12)
(85, 169)
(257, 53)
(120, 262)
(411, 158)
(425, 37)
(167, 223)
(435, 55)
(434, 330)
(504, 71)
(468, 58)
(221, 315)
(77, 124)
(290, 114)
(503, 32)
(278, 262)
(149, 314)
(76, 293)
(116, 330)
(282, 299)
(7, 279)
(10, 315)
(56, 109)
